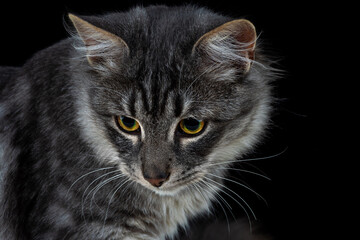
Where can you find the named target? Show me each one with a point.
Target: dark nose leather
(158, 179)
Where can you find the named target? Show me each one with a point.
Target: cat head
(171, 98)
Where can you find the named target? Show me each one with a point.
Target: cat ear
(102, 48)
(231, 43)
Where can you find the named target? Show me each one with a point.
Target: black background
(293, 32)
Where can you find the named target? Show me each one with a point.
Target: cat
(125, 129)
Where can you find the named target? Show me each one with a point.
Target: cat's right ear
(231, 43)
(102, 48)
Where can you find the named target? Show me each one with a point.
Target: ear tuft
(231, 43)
(103, 49)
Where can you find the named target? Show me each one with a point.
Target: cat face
(171, 111)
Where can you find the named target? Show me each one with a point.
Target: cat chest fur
(168, 214)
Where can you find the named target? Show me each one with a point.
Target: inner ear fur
(234, 41)
(102, 47)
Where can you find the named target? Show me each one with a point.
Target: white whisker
(195, 185)
(237, 195)
(97, 170)
(223, 209)
(211, 186)
(82, 199)
(248, 159)
(253, 166)
(240, 184)
(100, 185)
(112, 196)
(247, 171)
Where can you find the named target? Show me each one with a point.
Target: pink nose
(158, 180)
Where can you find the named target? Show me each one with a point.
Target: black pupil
(191, 124)
(129, 122)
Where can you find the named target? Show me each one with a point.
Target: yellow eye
(191, 126)
(128, 124)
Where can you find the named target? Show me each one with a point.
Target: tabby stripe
(141, 86)
(132, 101)
(178, 105)
(167, 91)
(155, 95)
(144, 96)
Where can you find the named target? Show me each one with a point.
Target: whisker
(99, 186)
(200, 190)
(240, 184)
(195, 185)
(223, 209)
(247, 171)
(211, 186)
(82, 198)
(97, 170)
(244, 209)
(112, 196)
(253, 166)
(126, 187)
(237, 195)
(246, 184)
(249, 159)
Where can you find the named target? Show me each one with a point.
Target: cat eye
(191, 126)
(128, 124)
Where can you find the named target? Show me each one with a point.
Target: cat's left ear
(231, 43)
(102, 48)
